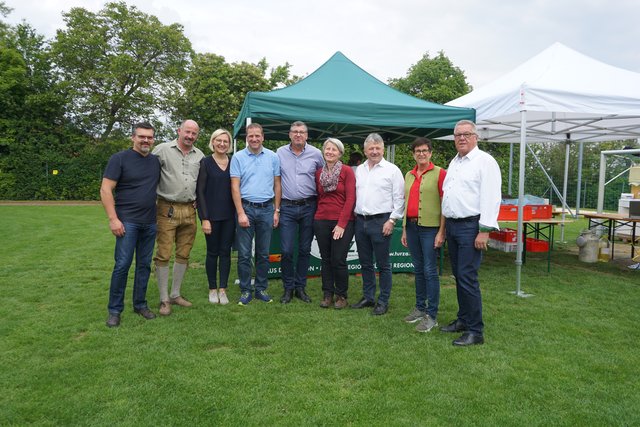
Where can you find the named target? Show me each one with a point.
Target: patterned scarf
(329, 178)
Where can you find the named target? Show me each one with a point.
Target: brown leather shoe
(326, 301)
(341, 302)
(145, 312)
(165, 308)
(182, 302)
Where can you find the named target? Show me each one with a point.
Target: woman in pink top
(333, 222)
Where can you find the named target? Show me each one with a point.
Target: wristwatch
(393, 221)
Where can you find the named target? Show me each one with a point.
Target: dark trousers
(335, 275)
(465, 263)
(219, 251)
(370, 242)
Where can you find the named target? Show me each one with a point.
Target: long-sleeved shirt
(214, 191)
(379, 190)
(473, 186)
(338, 204)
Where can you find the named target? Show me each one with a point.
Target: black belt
(299, 202)
(376, 216)
(257, 204)
(467, 219)
(171, 202)
(414, 220)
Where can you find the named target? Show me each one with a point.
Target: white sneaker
(223, 298)
(213, 296)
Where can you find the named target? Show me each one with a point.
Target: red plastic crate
(505, 235)
(541, 211)
(536, 245)
(510, 212)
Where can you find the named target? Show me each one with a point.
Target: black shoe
(380, 309)
(455, 326)
(287, 296)
(302, 295)
(145, 312)
(363, 303)
(113, 321)
(468, 339)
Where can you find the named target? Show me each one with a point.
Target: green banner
(399, 256)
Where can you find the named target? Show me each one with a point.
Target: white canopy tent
(559, 95)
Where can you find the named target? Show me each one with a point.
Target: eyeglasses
(298, 132)
(466, 135)
(421, 151)
(144, 138)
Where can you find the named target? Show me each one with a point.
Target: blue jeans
(465, 263)
(138, 238)
(294, 220)
(260, 226)
(425, 265)
(370, 241)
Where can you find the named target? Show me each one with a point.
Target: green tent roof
(342, 100)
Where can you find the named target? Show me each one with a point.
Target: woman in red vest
(423, 232)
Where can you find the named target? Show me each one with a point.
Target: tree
(118, 66)
(4, 12)
(214, 89)
(433, 79)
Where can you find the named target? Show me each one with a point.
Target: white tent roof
(562, 91)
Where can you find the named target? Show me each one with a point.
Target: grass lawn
(566, 356)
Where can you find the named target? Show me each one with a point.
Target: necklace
(221, 162)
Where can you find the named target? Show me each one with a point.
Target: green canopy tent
(342, 100)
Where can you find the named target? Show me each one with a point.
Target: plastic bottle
(604, 249)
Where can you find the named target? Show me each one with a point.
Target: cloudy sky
(486, 39)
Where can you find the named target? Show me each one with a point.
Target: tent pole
(603, 170)
(510, 168)
(523, 153)
(580, 154)
(567, 153)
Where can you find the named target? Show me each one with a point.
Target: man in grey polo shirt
(298, 164)
(176, 212)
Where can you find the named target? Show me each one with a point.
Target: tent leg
(567, 153)
(580, 155)
(523, 142)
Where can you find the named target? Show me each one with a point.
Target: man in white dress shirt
(379, 204)
(471, 203)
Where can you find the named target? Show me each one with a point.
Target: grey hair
(468, 122)
(373, 138)
(299, 124)
(336, 142)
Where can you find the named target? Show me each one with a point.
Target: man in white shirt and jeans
(379, 204)
(470, 204)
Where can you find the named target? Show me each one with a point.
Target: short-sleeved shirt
(136, 179)
(298, 171)
(179, 173)
(256, 173)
